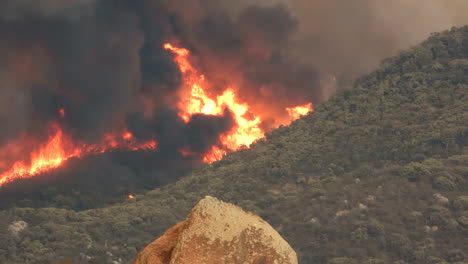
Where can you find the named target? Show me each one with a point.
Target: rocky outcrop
(160, 251)
(217, 232)
(17, 227)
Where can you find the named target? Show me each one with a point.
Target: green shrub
(374, 261)
(341, 261)
(400, 244)
(414, 218)
(414, 171)
(359, 235)
(445, 182)
(455, 255)
(463, 220)
(461, 203)
(439, 216)
(364, 172)
(375, 228)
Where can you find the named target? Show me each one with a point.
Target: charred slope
(96, 181)
(377, 174)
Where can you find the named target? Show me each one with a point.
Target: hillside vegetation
(378, 174)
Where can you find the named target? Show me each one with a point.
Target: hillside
(378, 174)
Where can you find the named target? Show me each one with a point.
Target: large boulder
(217, 232)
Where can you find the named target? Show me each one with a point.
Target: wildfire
(127, 135)
(60, 148)
(197, 101)
(61, 113)
(298, 111)
(196, 98)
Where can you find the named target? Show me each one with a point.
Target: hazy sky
(351, 37)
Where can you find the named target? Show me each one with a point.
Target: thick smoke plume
(350, 38)
(103, 61)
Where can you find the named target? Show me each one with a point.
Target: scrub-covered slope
(377, 174)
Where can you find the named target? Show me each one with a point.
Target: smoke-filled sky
(103, 61)
(352, 37)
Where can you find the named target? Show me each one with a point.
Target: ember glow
(60, 148)
(61, 113)
(195, 100)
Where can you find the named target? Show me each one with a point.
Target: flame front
(298, 111)
(196, 98)
(197, 101)
(60, 148)
(49, 156)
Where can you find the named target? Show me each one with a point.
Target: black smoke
(174, 135)
(103, 62)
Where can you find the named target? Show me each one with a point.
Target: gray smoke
(18, 9)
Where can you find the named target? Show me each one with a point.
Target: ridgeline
(377, 174)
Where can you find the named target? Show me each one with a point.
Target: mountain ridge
(351, 183)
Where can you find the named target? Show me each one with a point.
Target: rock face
(216, 232)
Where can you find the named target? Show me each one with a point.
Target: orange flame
(60, 148)
(127, 135)
(197, 101)
(298, 111)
